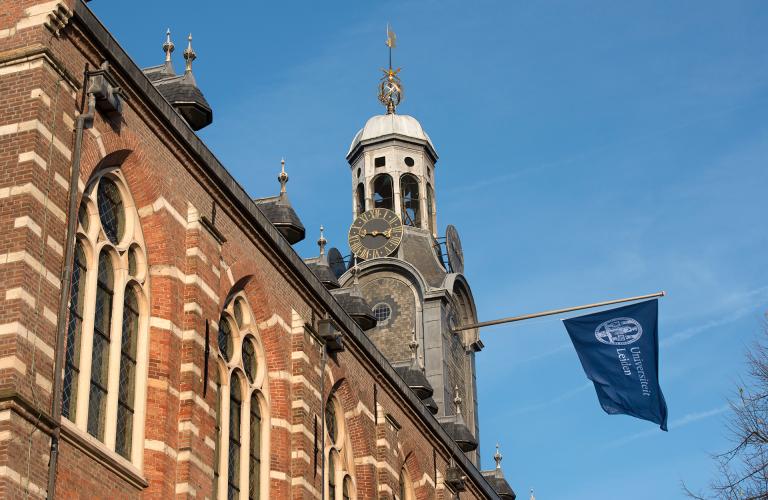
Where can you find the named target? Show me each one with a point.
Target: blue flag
(619, 351)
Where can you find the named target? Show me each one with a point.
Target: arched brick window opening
(383, 195)
(107, 349)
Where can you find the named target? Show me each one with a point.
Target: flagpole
(512, 319)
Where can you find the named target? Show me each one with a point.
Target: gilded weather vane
(390, 87)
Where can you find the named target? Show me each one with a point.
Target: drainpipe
(85, 120)
(323, 357)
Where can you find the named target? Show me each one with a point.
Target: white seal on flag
(619, 331)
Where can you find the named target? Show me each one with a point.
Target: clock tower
(412, 279)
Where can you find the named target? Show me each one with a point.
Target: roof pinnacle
(168, 45)
(189, 54)
(321, 242)
(413, 345)
(282, 177)
(497, 457)
(457, 400)
(532, 495)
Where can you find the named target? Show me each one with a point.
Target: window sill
(106, 457)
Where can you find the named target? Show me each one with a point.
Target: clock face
(375, 233)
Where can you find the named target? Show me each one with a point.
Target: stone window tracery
(241, 406)
(106, 350)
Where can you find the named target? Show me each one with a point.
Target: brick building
(160, 337)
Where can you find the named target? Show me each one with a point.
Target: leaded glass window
(111, 210)
(249, 359)
(74, 334)
(100, 355)
(254, 454)
(346, 488)
(330, 420)
(409, 191)
(331, 476)
(233, 459)
(226, 344)
(126, 390)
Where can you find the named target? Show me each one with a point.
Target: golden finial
(189, 54)
(282, 177)
(390, 87)
(321, 242)
(168, 45)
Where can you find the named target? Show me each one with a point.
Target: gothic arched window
(360, 199)
(409, 191)
(242, 406)
(382, 192)
(104, 387)
(339, 464)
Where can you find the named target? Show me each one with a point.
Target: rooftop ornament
(390, 87)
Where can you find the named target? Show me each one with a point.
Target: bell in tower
(414, 286)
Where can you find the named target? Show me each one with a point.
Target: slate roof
(279, 211)
(356, 307)
(500, 485)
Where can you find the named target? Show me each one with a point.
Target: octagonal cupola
(392, 162)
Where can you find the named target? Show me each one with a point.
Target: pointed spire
(321, 242)
(168, 46)
(457, 400)
(497, 457)
(189, 55)
(282, 177)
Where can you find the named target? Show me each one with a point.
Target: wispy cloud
(750, 301)
(553, 401)
(675, 424)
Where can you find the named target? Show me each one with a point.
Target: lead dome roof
(381, 126)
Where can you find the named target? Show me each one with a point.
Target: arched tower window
(431, 208)
(382, 192)
(409, 191)
(360, 199)
(242, 407)
(105, 360)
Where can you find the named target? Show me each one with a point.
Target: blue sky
(588, 150)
